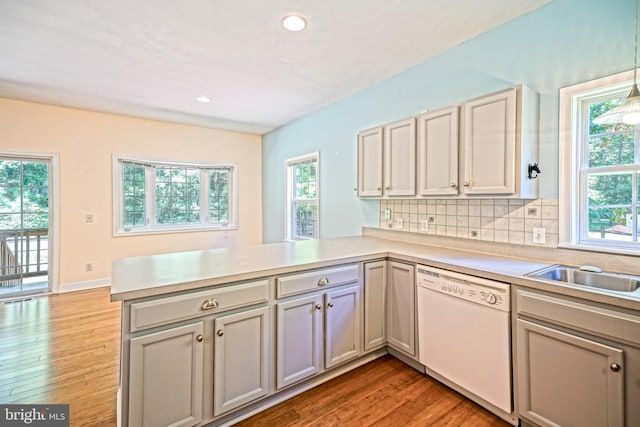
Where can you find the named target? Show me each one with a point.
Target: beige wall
(85, 142)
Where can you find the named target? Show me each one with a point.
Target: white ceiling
(151, 58)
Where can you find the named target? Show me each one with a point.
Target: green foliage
(305, 206)
(24, 194)
(134, 201)
(177, 195)
(610, 194)
(219, 196)
(305, 181)
(306, 220)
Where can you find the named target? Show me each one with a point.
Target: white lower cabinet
(241, 359)
(566, 380)
(312, 326)
(576, 363)
(299, 339)
(375, 289)
(342, 326)
(165, 377)
(401, 307)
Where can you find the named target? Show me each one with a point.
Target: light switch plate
(399, 222)
(424, 226)
(539, 235)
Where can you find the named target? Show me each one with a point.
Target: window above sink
(599, 169)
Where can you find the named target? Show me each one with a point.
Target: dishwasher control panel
(474, 289)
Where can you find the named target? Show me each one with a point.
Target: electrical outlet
(88, 217)
(538, 235)
(387, 213)
(399, 222)
(424, 226)
(88, 266)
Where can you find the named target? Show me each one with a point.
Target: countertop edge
(401, 252)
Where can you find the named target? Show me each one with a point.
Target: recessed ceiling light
(203, 99)
(294, 22)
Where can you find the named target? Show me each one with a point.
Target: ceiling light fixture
(629, 111)
(294, 23)
(204, 99)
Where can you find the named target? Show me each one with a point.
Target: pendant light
(629, 111)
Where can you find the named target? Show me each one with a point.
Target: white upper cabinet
(500, 140)
(387, 160)
(483, 148)
(400, 158)
(370, 153)
(438, 152)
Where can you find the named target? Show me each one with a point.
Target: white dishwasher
(464, 332)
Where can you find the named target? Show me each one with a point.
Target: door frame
(54, 207)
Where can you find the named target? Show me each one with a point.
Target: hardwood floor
(65, 349)
(385, 392)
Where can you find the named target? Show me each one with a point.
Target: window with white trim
(599, 169)
(303, 189)
(159, 196)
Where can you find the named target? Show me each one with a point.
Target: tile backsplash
(496, 220)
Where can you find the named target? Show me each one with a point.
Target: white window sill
(602, 248)
(170, 230)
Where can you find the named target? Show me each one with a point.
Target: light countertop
(139, 277)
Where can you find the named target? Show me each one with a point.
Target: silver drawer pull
(209, 304)
(323, 281)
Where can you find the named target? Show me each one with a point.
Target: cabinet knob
(379, 188)
(453, 185)
(387, 188)
(323, 281)
(220, 332)
(330, 304)
(318, 307)
(209, 304)
(199, 338)
(466, 183)
(615, 367)
(355, 189)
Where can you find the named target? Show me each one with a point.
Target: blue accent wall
(560, 44)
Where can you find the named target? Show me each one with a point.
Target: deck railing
(23, 253)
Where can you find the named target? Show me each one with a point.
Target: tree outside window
(302, 200)
(161, 197)
(611, 177)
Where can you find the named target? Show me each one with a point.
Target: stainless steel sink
(575, 276)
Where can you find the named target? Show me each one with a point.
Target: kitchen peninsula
(233, 331)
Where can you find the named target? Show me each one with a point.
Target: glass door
(24, 227)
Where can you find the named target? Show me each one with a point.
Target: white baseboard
(81, 286)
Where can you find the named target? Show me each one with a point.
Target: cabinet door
(165, 377)
(375, 288)
(490, 144)
(438, 153)
(400, 158)
(241, 359)
(565, 380)
(299, 339)
(342, 325)
(401, 307)
(370, 153)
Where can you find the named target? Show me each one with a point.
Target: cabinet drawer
(157, 312)
(591, 319)
(318, 279)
